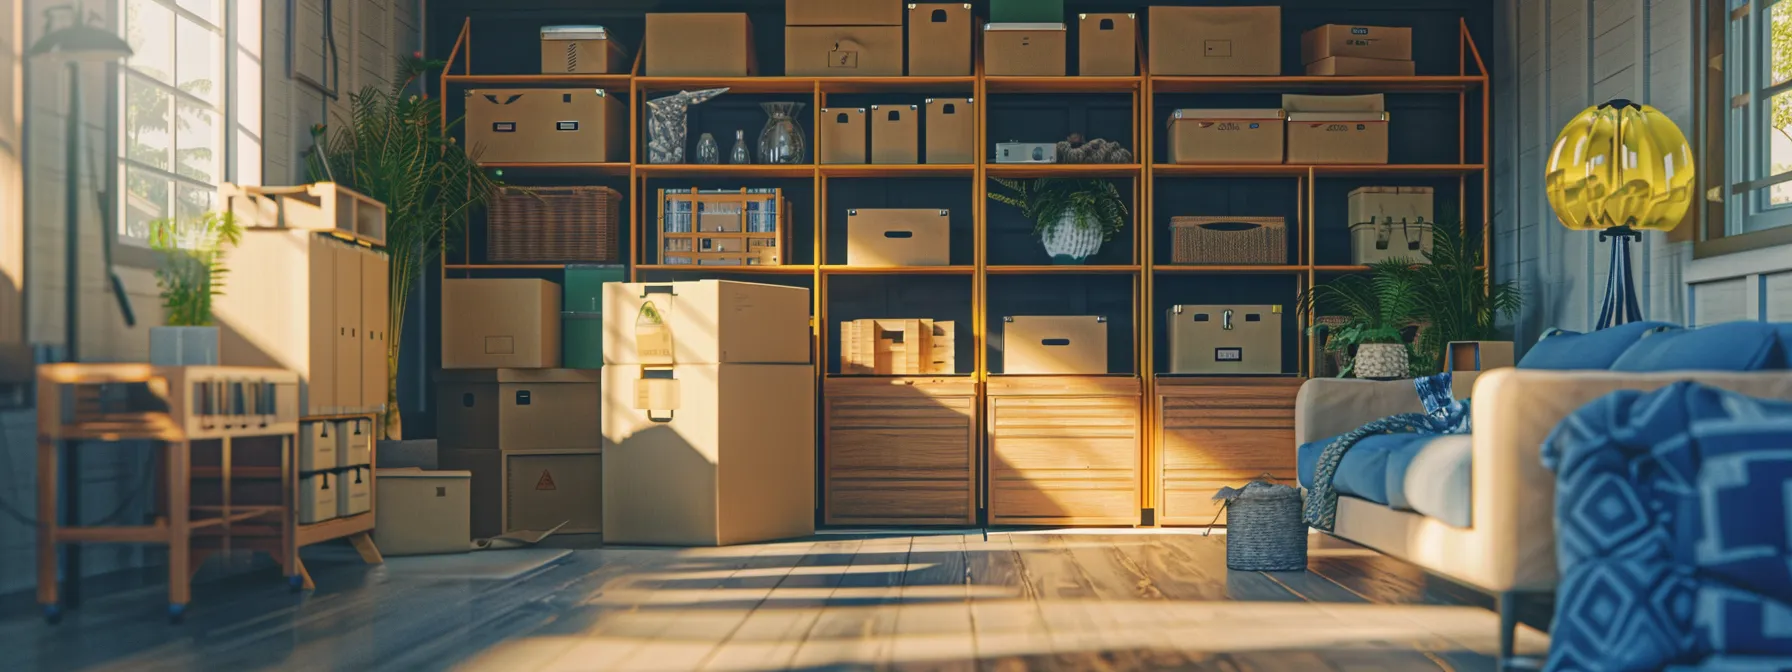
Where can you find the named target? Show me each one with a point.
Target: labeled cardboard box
(898, 347)
(1107, 45)
(1055, 344)
(546, 126)
(1350, 66)
(841, 134)
(517, 409)
(718, 44)
(500, 323)
(1390, 222)
(1336, 129)
(354, 495)
(531, 490)
(1215, 40)
(898, 237)
(1026, 11)
(708, 454)
(1226, 136)
(1024, 49)
(1333, 39)
(843, 51)
(1478, 355)
(939, 39)
(1225, 339)
(419, 512)
(951, 131)
(895, 134)
(581, 50)
(843, 12)
(705, 322)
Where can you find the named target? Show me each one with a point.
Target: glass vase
(782, 139)
(707, 151)
(741, 155)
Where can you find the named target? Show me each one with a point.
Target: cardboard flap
(1305, 103)
(656, 393)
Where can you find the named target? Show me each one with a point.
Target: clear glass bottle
(707, 150)
(741, 154)
(782, 139)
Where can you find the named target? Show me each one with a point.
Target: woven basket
(1265, 531)
(553, 224)
(1229, 240)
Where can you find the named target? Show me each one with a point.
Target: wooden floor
(1011, 601)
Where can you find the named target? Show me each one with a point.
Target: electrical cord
(124, 504)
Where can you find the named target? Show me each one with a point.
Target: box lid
(1188, 307)
(1303, 103)
(993, 27)
(419, 472)
(1390, 190)
(1338, 116)
(574, 376)
(1217, 114)
(574, 33)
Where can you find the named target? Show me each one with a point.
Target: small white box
(317, 446)
(317, 497)
(354, 491)
(1026, 152)
(423, 512)
(354, 441)
(1390, 222)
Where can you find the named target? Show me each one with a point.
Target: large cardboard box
(843, 12)
(546, 126)
(1333, 39)
(1348, 66)
(841, 135)
(419, 512)
(708, 454)
(1478, 355)
(1215, 40)
(1225, 339)
(1390, 222)
(500, 323)
(1336, 129)
(705, 322)
(716, 44)
(1107, 45)
(843, 51)
(898, 237)
(1024, 49)
(516, 409)
(532, 490)
(581, 50)
(1226, 136)
(951, 130)
(939, 39)
(895, 347)
(895, 134)
(1055, 344)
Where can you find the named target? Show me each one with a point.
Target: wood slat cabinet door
(375, 293)
(1064, 450)
(1218, 432)
(900, 451)
(347, 326)
(321, 369)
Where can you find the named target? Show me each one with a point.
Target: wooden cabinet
(347, 319)
(900, 451)
(1219, 432)
(1064, 450)
(375, 318)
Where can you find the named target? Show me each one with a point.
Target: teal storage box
(584, 289)
(582, 340)
(1026, 11)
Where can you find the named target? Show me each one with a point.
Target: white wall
(370, 36)
(12, 186)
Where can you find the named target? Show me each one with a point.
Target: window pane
(206, 9)
(147, 135)
(197, 143)
(145, 200)
(201, 50)
(191, 201)
(149, 27)
(1779, 42)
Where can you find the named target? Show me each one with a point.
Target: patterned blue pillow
(1560, 350)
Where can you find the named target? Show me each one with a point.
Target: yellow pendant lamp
(1620, 168)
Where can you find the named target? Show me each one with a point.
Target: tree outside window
(173, 111)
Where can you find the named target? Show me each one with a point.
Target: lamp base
(1620, 286)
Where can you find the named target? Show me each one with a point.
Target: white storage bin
(354, 442)
(317, 497)
(354, 491)
(1390, 222)
(317, 446)
(423, 512)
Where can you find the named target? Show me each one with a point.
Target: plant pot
(183, 346)
(1072, 240)
(1382, 361)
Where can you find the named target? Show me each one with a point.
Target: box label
(1228, 354)
(844, 59)
(653, 337)
(546, 482)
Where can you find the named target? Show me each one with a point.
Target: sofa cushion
(1561, 350)
(1434, 479)
(1363, 473)
(1731, 346)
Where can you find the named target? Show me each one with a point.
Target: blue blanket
(1671, 514)
(1443, 415)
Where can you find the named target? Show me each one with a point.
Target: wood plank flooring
(1082, 600)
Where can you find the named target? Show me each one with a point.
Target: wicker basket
(553, 224)
(1265, 531)
(1229, 240)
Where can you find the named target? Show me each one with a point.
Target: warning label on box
(546, 482)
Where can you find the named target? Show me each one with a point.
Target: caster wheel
(52, 614)
(295, 583)
(177, 613)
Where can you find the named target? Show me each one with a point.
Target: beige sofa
(1509, 546)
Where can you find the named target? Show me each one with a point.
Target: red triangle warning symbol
(546, 482)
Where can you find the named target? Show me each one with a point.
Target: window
(1758, 125)
(173, 94)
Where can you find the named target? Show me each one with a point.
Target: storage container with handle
(1229, 240)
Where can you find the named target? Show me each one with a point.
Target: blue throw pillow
(1731, 346)
(1782, 359)
(1561, 350)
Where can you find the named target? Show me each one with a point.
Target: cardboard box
(939, 39)
(317, 497)
(843, 12)
(354, 491)
(1107, 45)
(532, 490)
(1026, 11)
(951, 130)
(718, 44)
(546, 126)
(1390, 222)
(1215, 40)
(422, 512)
(1333, 39)
(898, 237)
(1024, 49)
(841, 135)
(1336, 129)
(1226, 136)
(705, 322)
(843, 51)
(354, 442)
(1058, 344)
(581, 50)
(517, 409)
(508, 323)
(1360, 67)
(1478, 355)
(898, 347)
(1225, 339)
(895, 134)
(317, 447)
(708, 454)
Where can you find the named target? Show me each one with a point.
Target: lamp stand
(1620, 286)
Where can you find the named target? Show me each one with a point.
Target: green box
(581, 341)
(584, 288)
(1026, 11)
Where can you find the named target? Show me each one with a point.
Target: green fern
(1377, 307)
(1454, 296)
(1094, 203)
(192, 271)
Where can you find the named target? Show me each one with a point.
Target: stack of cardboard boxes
(1369, 51)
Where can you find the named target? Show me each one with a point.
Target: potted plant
(190, 275)
(397, 148)
(1376, 308)
(1071, 216)
(1455, 296)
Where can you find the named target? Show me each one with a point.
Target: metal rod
(71, 471)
